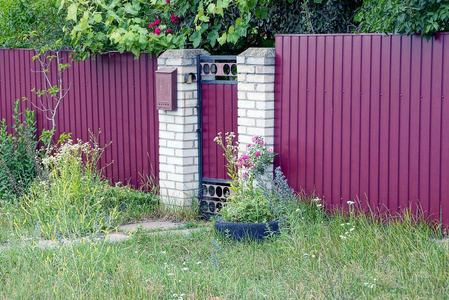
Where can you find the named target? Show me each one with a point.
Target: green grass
(310, 260)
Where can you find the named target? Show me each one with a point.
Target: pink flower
(257, 154)
(174, 18)
(251, 165)
(168, 30)
(249, 145)
(270, 149)
(261, 143)
(255, 138)
(151, 25)
(156, 22)
(168, 1)
(245, 174)
(244, 157)
(157, 31)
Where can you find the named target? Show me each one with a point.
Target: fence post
(256, 68)
(178, 145)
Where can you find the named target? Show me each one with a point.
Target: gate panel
(217, 87)
(219, 115)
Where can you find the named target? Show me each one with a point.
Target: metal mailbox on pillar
(166, 88)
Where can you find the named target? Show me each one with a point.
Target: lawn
(317, 257)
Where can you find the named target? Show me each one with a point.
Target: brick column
(178, 139)
(256, 95)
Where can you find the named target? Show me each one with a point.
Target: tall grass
(317, 257)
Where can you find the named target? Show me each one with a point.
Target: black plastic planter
(246, 231)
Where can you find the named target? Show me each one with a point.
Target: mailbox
(166, 89)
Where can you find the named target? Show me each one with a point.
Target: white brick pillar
(178, 139)
(256, 95)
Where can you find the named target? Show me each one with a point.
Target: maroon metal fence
(113, 93)
(365, 117)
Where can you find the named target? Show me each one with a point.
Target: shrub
(17, 154)
(408, 17)
(31, 24)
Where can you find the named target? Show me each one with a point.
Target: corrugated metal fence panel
(365, 117)
(219, 106)
(112, 93)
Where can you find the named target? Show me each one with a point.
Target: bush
(425, 17)
(31, 24)
(17, 154)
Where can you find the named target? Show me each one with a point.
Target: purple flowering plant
(247, 202)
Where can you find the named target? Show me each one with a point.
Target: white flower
(171, 274)
(319, 205)
(342, 237)
(298, 209)
(185, 269)
(163, 252)
(317, 199)
(198, 263)
(352, 229)
(350, 203)
(342, 224)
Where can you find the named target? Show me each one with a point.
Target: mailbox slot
(166, 88)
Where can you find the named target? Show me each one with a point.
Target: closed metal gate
(217, 105)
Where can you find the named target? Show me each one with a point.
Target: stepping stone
(150, 225)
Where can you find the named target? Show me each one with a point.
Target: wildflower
(174, 18)
(157, 31)
(163, 252)
(257, 154)
(168, 31)
(298, 209)
(350, 203)
(351, 229)
(317, 199)
(245, 174)
(342, 237)
(249, 145)
(255, 138)
(270, 149)
(319, 205)
(168, 1)
(185, 269)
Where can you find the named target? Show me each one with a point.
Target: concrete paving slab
(150, 225)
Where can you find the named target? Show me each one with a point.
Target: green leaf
(97, 18)
(195, 38)
(222, 40)
(132, 9)
(72, 11)
(204, 19)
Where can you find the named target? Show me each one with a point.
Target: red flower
(151, 25)
(168, 30)
(168, 1)
(174, 18)
(257, 154)
(157, 31)
(156, 22)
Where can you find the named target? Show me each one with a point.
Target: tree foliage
(425, 17)
(218, 25)
(31, 24)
